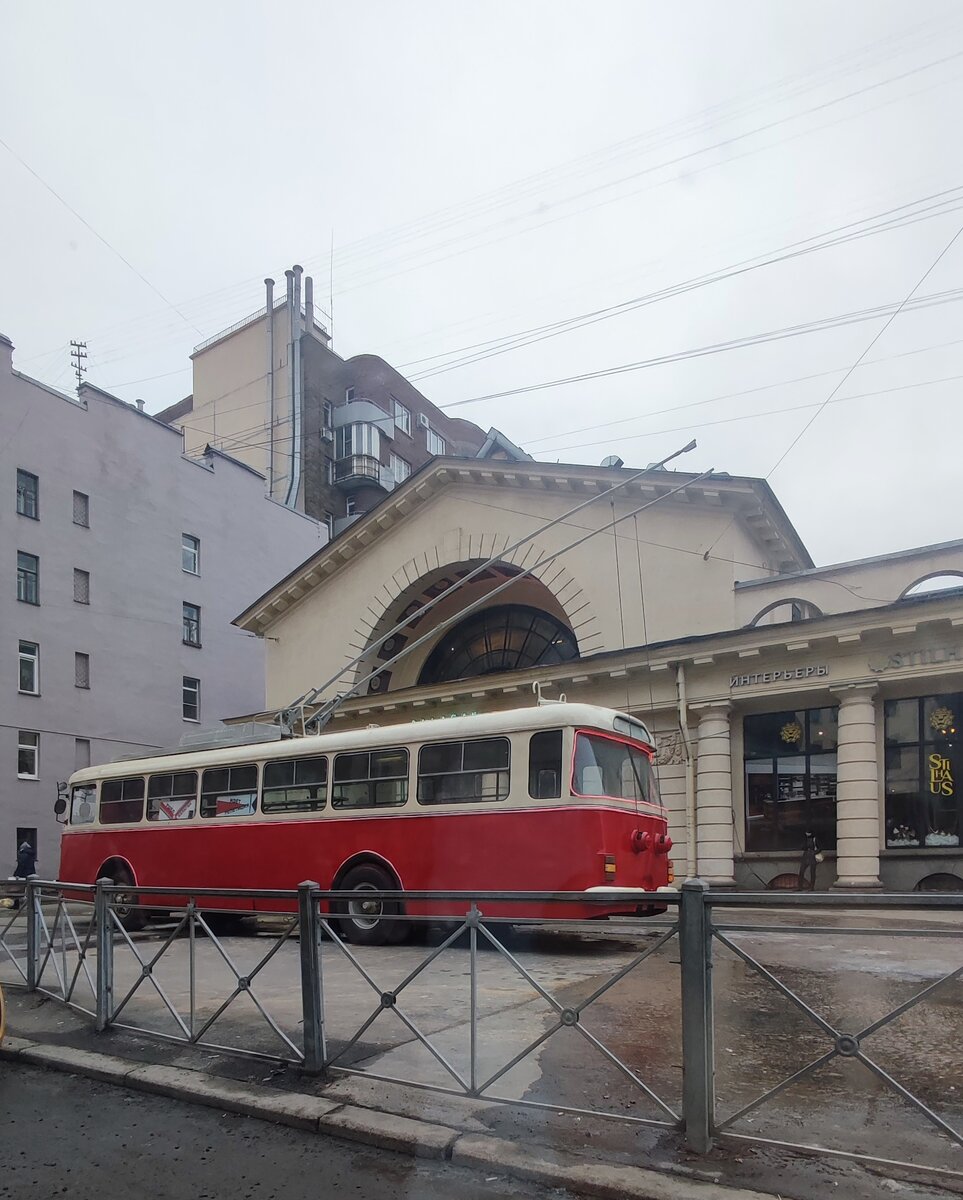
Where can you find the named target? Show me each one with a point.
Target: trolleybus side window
(121, 801)
(82, 800)
(172, 797)
(300, 785)
(607, 766)
(545, 765)
(370, 779)
(229, 791)
(463, 772)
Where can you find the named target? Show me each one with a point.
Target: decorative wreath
(942, 719)
(791, 732)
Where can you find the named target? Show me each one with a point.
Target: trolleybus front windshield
(608, 766)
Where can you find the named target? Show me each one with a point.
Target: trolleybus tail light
(609, 868)
(671, 865)
(641, 840)
(663, 844)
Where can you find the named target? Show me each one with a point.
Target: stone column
(714, 798)
(857, 790)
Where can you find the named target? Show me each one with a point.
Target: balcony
(357, 470)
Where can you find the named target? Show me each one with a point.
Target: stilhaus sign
(916, 658)
(790, 673)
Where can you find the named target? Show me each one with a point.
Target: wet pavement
(761, 1038)
(74, 1137)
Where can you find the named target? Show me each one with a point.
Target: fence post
(31, 896)
(312, 993)
(105, 954)
(698, 1058)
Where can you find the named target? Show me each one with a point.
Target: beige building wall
(681, 593)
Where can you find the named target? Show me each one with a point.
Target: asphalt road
(62, 1135)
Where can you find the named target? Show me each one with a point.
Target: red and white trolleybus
(556, 797)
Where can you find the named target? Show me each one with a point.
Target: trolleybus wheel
(362, 920)
(123, 903)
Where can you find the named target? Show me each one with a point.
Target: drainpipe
(308, 303)
(691, 862)
(295, 477)
(269, 299)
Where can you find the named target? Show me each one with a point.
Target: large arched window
(506, 638)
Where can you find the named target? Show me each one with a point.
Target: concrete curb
(375, 1128)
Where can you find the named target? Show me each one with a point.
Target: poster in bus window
(235, 806)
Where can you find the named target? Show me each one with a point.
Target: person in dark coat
(26, 862)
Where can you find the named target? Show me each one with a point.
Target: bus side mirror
(60, 807)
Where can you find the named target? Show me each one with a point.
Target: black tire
(362, 922)
(132, 919)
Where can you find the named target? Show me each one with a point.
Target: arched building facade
(785, 697)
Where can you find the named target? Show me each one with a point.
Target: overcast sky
(491, 169)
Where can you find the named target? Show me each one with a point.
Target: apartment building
(332, 435)
(126, 561)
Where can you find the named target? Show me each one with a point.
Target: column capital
(712, 708)
(854, 691)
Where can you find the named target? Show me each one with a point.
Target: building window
(350, 506)
(192, 625)
(29, 669)
(402, 416)
(28, 495)
(328, 522)
(435, 442)
(82, 509)
(924, 764)
(81, 753)
(329, 471)
(28, 755)
(327, 415)
(790, 770)
(81, 669)
(508, 637)
(400, 468)
(363, 439)
(81, 586)
(190, 554)
(348, 395)
(191, 698)
(28, 578)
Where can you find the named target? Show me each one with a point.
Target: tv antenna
(78, 352)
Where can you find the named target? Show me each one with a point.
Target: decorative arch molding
(459, 549)
(942, 573)
(807, 608)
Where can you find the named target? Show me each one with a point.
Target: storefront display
(924, 762)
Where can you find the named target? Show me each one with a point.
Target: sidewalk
(557, 1150)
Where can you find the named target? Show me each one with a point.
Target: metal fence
(69, 942)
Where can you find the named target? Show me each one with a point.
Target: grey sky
(493, 168)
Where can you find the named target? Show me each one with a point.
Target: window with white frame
(28, 755)
(358, 439)
(28, 578)
(350, 506)
(28, 495)
(327, 414)
(402, 416)
(81, 669)
(435, 442)
(348, 395)
(190, 554)
(81, 586)
(190, 698)
(400, 468)
(82, 509)
(29, 669)
(328, 522)
(192, 624)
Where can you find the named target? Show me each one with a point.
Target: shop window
(790, 772)
(923, 765)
